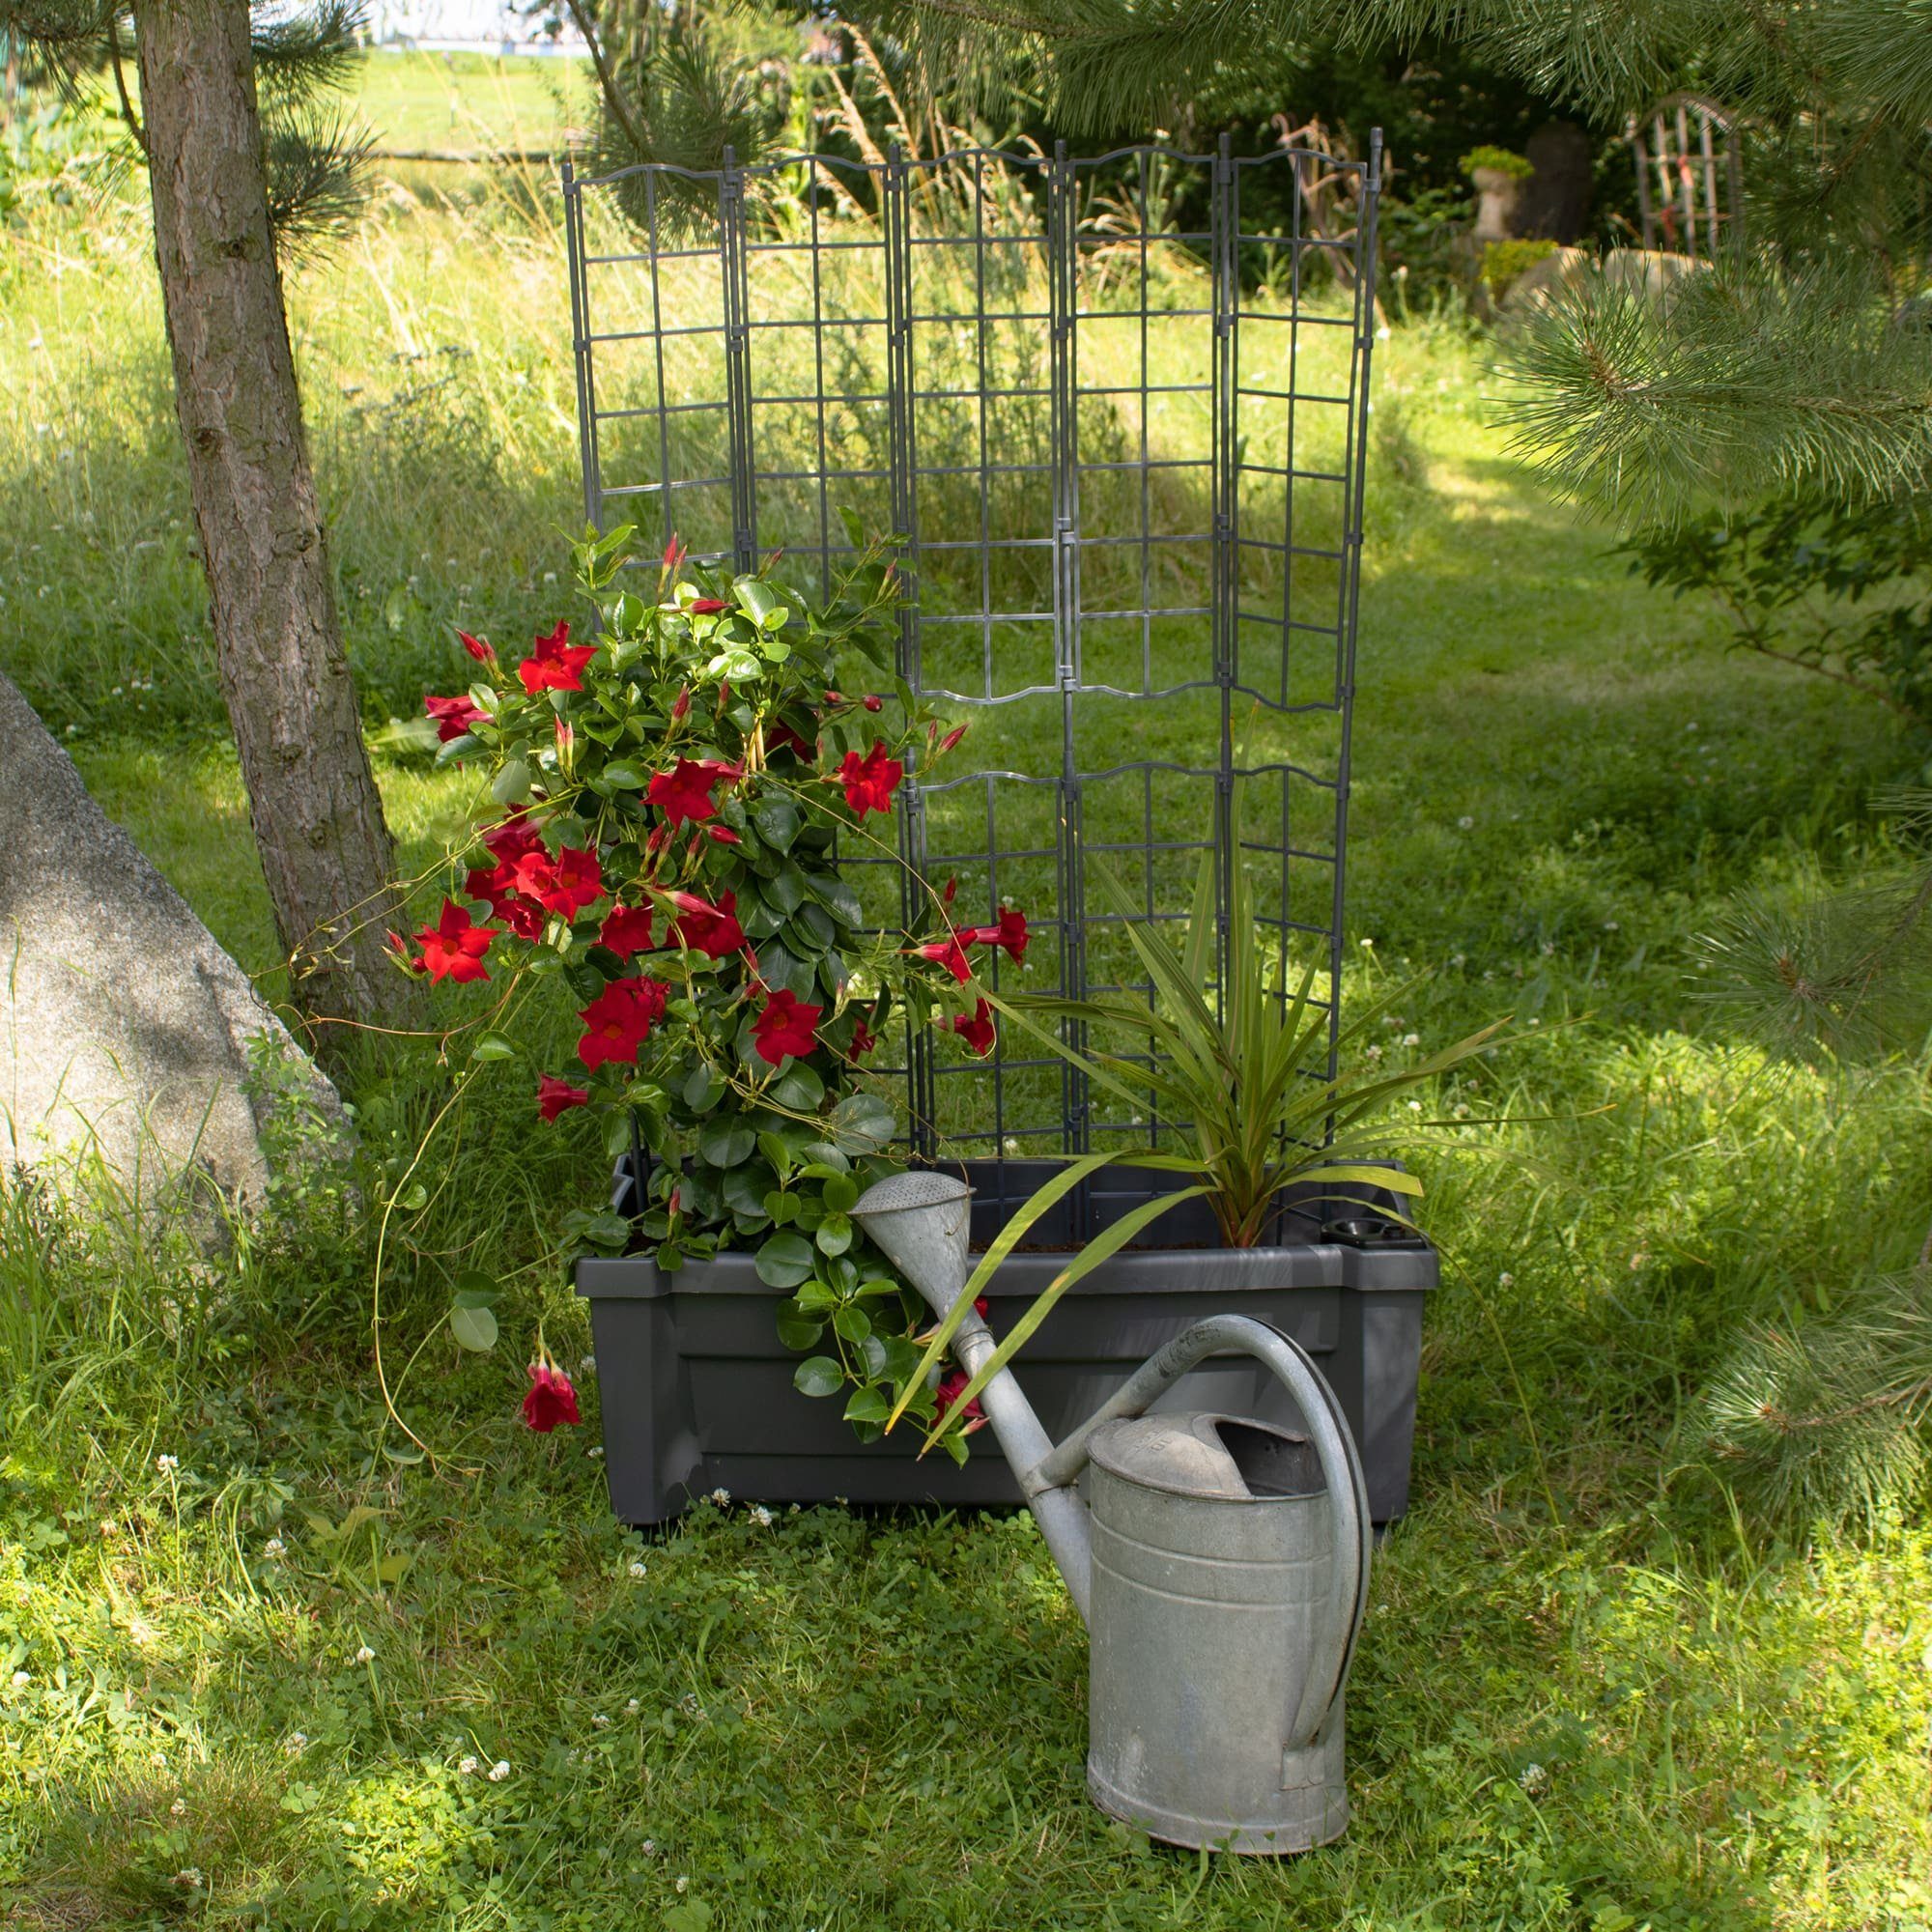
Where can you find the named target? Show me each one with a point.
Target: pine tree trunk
(312, 799)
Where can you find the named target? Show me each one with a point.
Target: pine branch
(302, 56)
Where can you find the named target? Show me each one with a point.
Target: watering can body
(1210, 1606)
(1221, 1565)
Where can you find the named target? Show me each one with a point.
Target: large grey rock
(126, 1032)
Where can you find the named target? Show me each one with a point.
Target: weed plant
(258, 1665)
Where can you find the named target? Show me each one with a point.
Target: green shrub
(1500, 159)
(1504, 261)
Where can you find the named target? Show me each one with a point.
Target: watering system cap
(1220, 1458)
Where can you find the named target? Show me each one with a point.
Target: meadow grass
(1592, 1692)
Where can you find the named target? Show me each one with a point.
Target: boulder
(126, 1035)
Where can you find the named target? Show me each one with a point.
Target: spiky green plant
(1250, 1078)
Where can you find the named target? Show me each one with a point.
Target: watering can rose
(667, 804)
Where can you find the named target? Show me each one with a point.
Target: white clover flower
(274, 1547)
(1411, 1039)
(1465, 821)
(167, 1464)
(683, 1883)
(549, 576)
(761, 1516)
(22, 1680)
(190, 1878)
(636, 1568)
(722, 1496)
(1458, 958)
(600, 1720)
(179, 1809)
(499, 1771)
(595, 1452)
(1416, 1106)
(469, 1767)
(632, 1709)
(365, 1655)
(1374, 1050)
(1506, 1279)
(649, 1848)
(1535, 1781)
(587, 1366)
(295, 1743)
(1367, 945)
(1610, 925)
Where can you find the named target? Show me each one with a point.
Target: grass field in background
(423, 100)
(1591, 1694)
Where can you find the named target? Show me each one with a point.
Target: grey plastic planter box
(696, 1389)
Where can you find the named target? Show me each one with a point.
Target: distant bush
(1833, 589)
(1504, 261)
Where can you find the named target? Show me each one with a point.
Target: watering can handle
(1334, 1448)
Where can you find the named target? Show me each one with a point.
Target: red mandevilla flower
(555, 664)
(627, 931)
(454, 716)
(708, 607)
(864, 1041)
(554, 1096)
(479, 648)
(550, 1398)
(723, 834)
(711, 929)
(674, 554)
(453, 948)
(780, 737)
(1010, 933)
(949, 954)
(786, 1028)
(951, 1386)
(977, 1031)
(619, 1020)
(870, 781)
(565, 884)
(511, 839)
(951, 739)
(873, 704)
(683, 794)
(680, 708)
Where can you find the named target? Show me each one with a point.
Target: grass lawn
(418, 101)
(266, 1681)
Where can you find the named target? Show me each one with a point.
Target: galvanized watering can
(1221, 1565)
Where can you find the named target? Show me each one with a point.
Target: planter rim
(1392, 1268)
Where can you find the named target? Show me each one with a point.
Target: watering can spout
(922, 1220)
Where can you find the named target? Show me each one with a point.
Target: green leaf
(623, 776)
(833, 1235)
(726, 1141)
(511, 784)
(782, 1207)
(861, 1123)
(493, 1047)
(704, 1088)
(786, 891)
(474, 1289)
(776, 819)
(842, 1194)
(867, 1405)
(800, 1089)
(838, 897)
(796, 1328)
(475, 1328)
(818, 1375)
(783, 1261)
(852, 1323)
(760, 602)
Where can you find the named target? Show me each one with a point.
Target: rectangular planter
(696, 1389)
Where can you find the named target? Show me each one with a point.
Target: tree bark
(312, 799)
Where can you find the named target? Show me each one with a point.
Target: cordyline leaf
(1009, 1238)
(1108, 1242)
